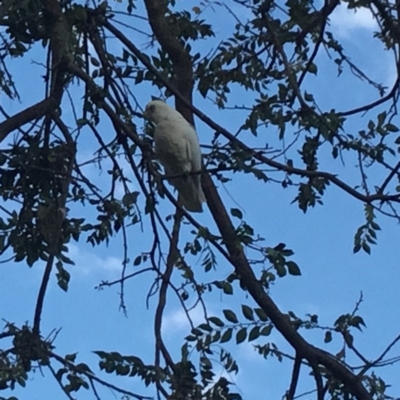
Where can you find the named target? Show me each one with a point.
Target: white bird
(177, 147)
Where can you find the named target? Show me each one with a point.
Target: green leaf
(254, 333)
(71, 357)
(230, 316)
(21, 381)
(122, 370)
(241, 335)
(95, 62)
(266, 331)
(227, 336)
(308, 97)
(357, 248)
(328, 337)
(261, 314)
(101, 354)
(227, 288)
(63, 276)
(381, 118)
(130, 198)
(196, 332)
(248, 312)
(391, 128)
(371, 125)
(293, 268)
(82, 122)
(314, 319)
(109, 367)
(357, 322)
(216, 337)
(216, 321)
(375, 226)
(280, 269)
(312, 68)
(205, 327)
(366, 247)
(235, 212)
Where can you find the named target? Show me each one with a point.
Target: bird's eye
(152, 108)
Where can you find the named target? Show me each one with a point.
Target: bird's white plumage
(177, 147)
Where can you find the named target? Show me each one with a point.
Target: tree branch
(37, 111)
(181, 60)
(93, 377)
(295, 378)
(56, 214)
(226, 228)
(235, 141)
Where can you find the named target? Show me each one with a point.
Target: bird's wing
(195, 158)
(177, 147)
(171, 146)
(194, 148)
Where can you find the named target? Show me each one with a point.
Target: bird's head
(156, 111)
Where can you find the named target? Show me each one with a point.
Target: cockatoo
(177, 147)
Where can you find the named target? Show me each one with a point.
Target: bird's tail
(191, 194)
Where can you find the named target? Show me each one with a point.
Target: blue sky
(332, 276)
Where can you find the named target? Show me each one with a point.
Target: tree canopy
(285, 107)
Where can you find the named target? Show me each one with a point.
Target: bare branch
(295, 378)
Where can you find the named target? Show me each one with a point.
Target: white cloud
(247, 352)
(87, 262)
(345, 21)
(177, 320)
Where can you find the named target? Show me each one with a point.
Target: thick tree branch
(59, 48)
(181, 61)
(242, 266)
(35, 112)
